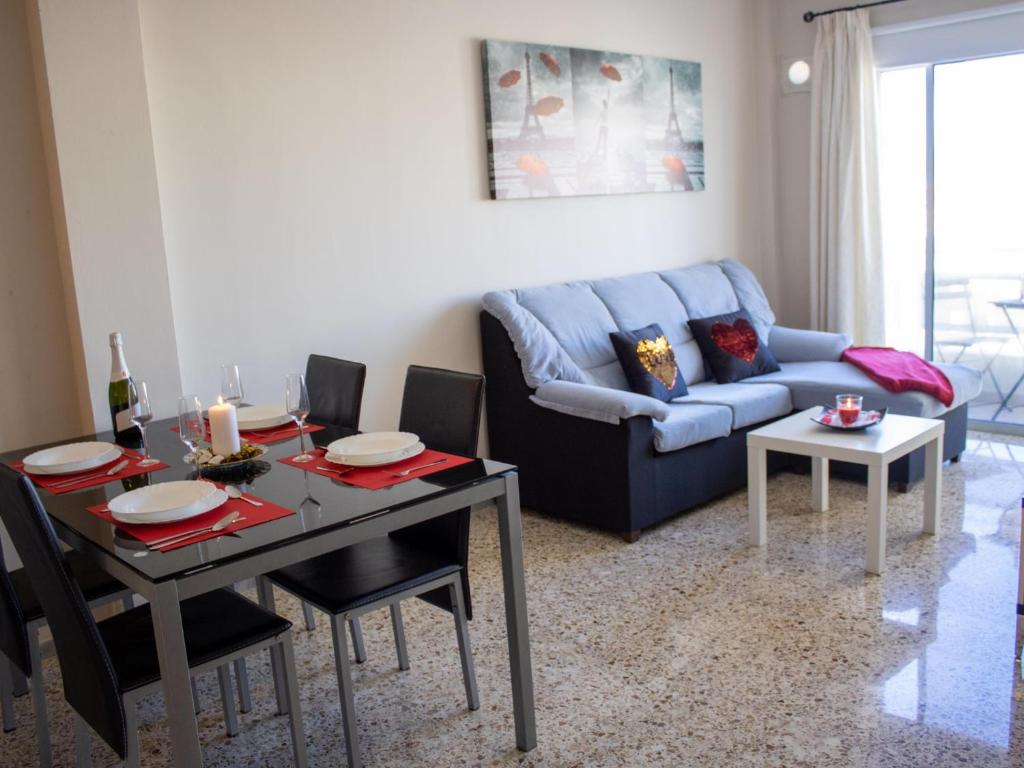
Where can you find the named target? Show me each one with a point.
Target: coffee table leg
(933, 485)
(819, 483)
(878, 500)
(757, 495)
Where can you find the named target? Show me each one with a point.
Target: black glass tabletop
(320, 503)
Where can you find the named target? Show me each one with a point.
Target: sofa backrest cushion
(577, 318)
(560, 332)
(750, 295)
(635, 301)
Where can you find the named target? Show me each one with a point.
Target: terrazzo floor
(688, 648)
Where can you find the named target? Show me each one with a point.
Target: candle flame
(220, 399)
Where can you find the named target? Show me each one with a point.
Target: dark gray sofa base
(608, 475)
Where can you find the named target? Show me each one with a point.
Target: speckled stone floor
(687, 648)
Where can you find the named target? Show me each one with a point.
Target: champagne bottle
(125, 432)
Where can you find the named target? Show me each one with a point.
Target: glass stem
(145, 443)
(302, 441)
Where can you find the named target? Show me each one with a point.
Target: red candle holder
(849, 407)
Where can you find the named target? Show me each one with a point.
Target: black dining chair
(108, 666)
(427, 560)
(21, 619)
(335, 389)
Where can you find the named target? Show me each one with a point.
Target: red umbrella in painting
(611, 73)
(676, 171)
(532, 165)
(551, 63)
(509, 79)
(548, 106)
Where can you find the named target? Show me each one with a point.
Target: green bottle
(125, 432)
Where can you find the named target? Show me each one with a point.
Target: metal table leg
(510, 533)
(186, 751)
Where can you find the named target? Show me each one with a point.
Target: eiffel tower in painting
(528, 130)
(672, 131)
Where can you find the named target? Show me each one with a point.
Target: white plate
(372, 446)
(379, 460)
(262, 417)
(74, 457)
(167, 502)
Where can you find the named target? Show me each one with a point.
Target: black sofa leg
(955, 459)
(631, 537)
(903, 487)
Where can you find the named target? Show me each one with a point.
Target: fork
(83, 478)
(410, 470)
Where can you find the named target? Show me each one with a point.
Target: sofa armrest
(795, 345)
(598, 403)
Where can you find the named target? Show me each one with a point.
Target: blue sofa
(590, 450)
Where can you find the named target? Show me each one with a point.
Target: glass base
(304, 457)
(148, 462)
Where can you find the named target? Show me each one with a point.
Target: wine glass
(191, 427)
(296, 403)
(141, 413)
(231, 384)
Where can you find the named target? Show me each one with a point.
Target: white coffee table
(876, 447)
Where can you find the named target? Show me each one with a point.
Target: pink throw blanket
(901, 371)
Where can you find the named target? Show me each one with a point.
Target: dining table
(329, 514)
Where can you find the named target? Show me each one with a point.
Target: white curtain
(846, 239)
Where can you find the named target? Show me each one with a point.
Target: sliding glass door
(952, 175)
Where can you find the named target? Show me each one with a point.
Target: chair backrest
(443, 408)
(335, 390)
(13, 633)
(90, 682)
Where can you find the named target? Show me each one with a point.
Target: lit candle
(224, 428)
(849, 408)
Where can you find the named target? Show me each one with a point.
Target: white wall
(322, 176)
(791, 125)
(96, 120)
(37, 374)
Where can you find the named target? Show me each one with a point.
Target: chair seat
(216, 624)
(364, 573)
(94, 582)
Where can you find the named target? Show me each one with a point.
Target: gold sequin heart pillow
(649, 363)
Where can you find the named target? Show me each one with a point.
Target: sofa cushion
(638, 300)
(731, 346)
(598, 403)
(750, 295)
(796, 345)
(689, 424)
(649, 363)
(577, 318)
(704, 289)
(540, 355)
(817, 383)
(749, 405)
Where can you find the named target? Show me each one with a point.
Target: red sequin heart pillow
(731, 347)
(738, 339)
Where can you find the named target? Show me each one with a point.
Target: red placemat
(253, 516)
(375, 478)
(268, 436)
(50, 481)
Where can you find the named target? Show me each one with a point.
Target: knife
(112, 471)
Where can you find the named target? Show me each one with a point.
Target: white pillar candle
(224, 428)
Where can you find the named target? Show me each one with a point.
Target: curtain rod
(812, 15)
